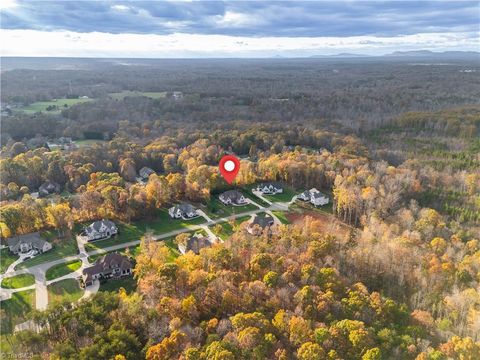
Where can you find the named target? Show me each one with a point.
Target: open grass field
(128, 283)
(58, 104)
(152, 95)
(59, 270)
(18, 281)
(89, 142)
(281, 216)
(15, 309)
(216, 209)
(226, 228)
(132, 252)
(161, 224)
(61, 248)
(6, 259)
(286, 196)
(65, 290)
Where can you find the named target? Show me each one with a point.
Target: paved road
(39, 270)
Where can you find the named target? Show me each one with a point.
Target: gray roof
(49, 187)
(106, 263)
(233, 195)
(97, 225)
(145, 172)
(184, 208)
(33, 238)
(262, 220)
(196, 243)
(268, 184)
(318, 194)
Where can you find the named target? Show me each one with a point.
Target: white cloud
(120, 7)
(8, 4)
(98, 44)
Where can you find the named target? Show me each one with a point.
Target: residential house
(314, 196)
(270, 188)
(111, 265)
(259, 223)
(48, 188)
(99, 230)
(233, 197)
(183, 211)
(22, 244)
(195, 244)
(145, 173)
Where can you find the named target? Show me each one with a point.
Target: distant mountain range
(411, 54)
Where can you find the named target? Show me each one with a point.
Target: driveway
(38, 271)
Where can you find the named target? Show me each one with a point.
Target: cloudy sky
(234, 28)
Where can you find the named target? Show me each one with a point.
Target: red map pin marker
(229, 166)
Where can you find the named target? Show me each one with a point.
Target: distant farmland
(51, 107)
(127, 93)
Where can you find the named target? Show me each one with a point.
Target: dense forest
(396, 144)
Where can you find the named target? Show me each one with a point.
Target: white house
(24, 243)
(269, 188)
(99, 230)
(233, 197)
(184, 211)
(314, 196)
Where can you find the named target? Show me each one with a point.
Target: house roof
(49, 187)
(262, 220)
(233, 195)
(106, 263)
(33, 238)
(317, 194)
(145, 172)
(184, 208)
(97, 225)
(268, 184)
(196, 243)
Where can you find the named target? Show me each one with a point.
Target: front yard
(216, 209)
(15, 310)
(61, 248)
(59, 270)
(161, 224)
(66, 290)
(18, 281)
(226, 228)
(285, 196)
(128, 283)
(281, 216)
(6, 259)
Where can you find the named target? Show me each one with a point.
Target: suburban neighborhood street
(39, 271)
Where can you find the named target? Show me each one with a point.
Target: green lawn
(65, 290)
(286, 196)
(18, 281)
(59, 104)
(6, 259)
(122, 95)
(133, 252)
(247, 191)
(216, 209)
(61, 248)
(227, 229)
(89, 142)
(128, 283)
(281, 216)
(161, 224)
(326, 209)
(59, 270)
(15, 309)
